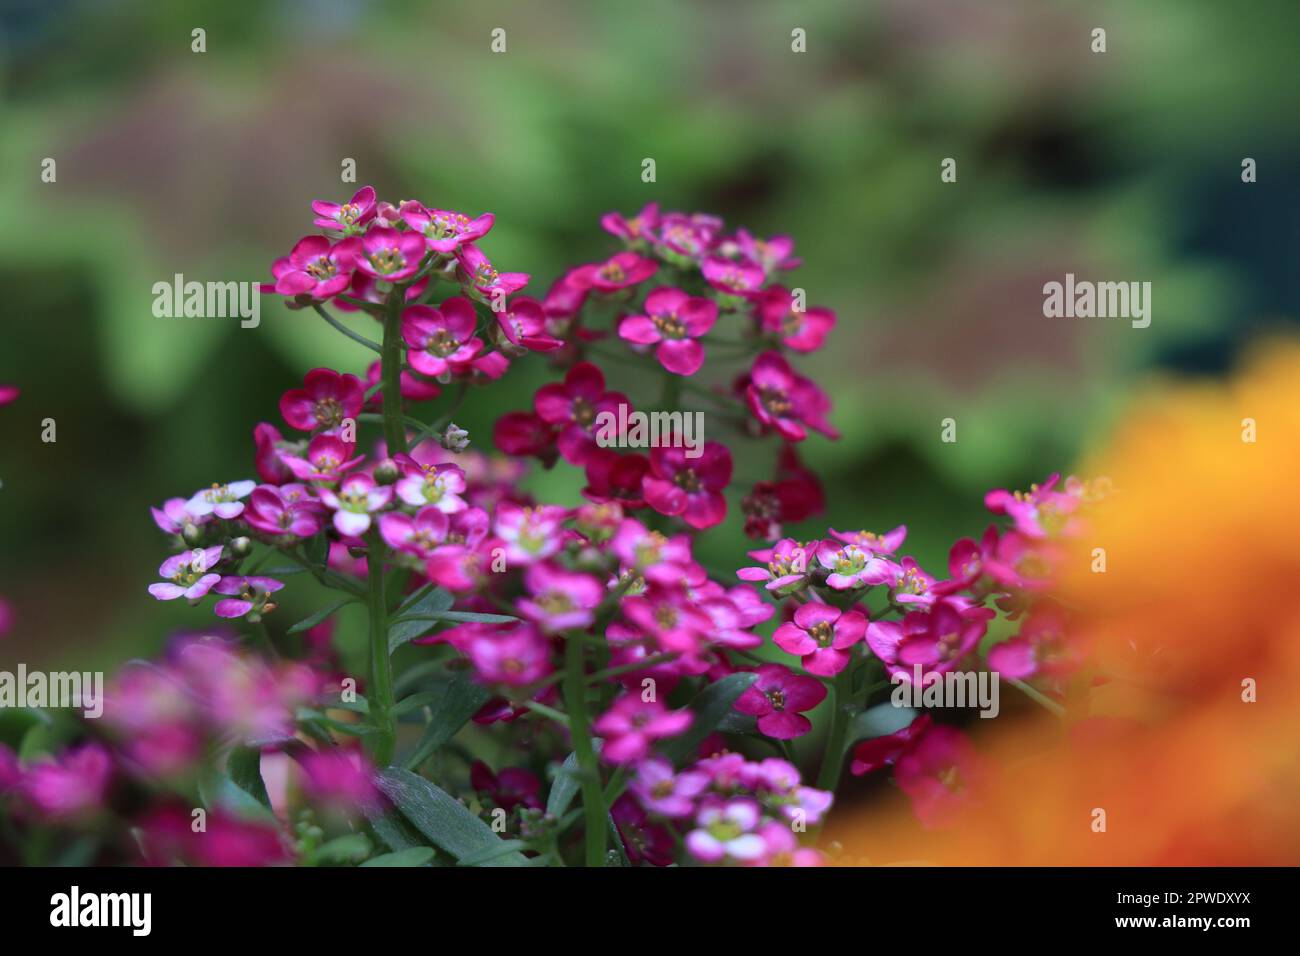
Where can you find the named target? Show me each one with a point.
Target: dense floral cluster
(589, 629)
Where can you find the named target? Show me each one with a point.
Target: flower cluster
(588, 637)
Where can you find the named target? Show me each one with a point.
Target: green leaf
(441, 818)
(402, 631)
(459, 700)
(565, 787)
(318, 550)
(218, 791)
(415, 856)
(878, 721)
(245, 768)
(349, 848)
(711, 706)
(471, 617)
(393, 829)
(488, 855)
(310, 622)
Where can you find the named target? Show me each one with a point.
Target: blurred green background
(1122, 166)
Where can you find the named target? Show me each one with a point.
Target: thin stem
(354, 336)
(391, 373)
(379, 692)
(829, 775)
(1038, 697)
(593, 800)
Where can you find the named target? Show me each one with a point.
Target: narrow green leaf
(415, 856)
(310, 622)
(441, 818)
(565, 787)
(318, 550)
(711, 706)
(245, 768)
(349, 848)
(402, 631)
(878, 721)
(492, 853)
(458, 701)
(219, 791)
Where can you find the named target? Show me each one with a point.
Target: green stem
(593, 800)
(833, 758)
(379, 691)
(391, 373)
(1039, 698)
(354, 336)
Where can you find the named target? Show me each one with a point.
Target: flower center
(776, 697)
(442, 344)
(349, 213)
(687, 480)
(555, 602)
(774, 400)
(822, 633)
(612, 272)
(328, 412)
(387, 261)
(669, 325)
(583, 412)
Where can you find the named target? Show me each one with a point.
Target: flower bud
(454, 439)
(240, 547)
(387, 472)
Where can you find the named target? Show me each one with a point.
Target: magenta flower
(732, 277)
(413, 387)
(357, 498)
(327, 459)
(167, 838)
(8, 394)
(778, 699)
(221, 500)
(559, 600)
(966, 561)
(726, 831)
(187, 575)
(523, 325)
(690, 487)
(615, 478)
(912, 586)
(350, 217)
(1041, 647)
(444, 230)
(620, 271)
(886, 543)
(512, 787)
(270, 444)
(684, 238)
(942, 774)
(480, 273)
(674, 322)
(70, 785)
(1022, 562)
(286, 510)
(666, 793)
(515, 657)
(390, 255)
(248, 595)
(644, 841)
(658, 558)
(326, 398)
(417, 536)
(440, 341)
(821, 635)
(634, 229)
(801, 331)
(339, 779)
(529, 534)
(850, 567)
(1041, 512)
(781, 847)
(785, 401)
(175, 518)
(935, 640)
(316, 268)
(433, 484)
(666, 615)
(786, 566)
(573, 407)
(631, 725)
(771, 254)
(879, 751)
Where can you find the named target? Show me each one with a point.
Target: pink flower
(634, 229)
(440, 340)
(315, 268)
(785, 567)
(523, 325)
(1041, 512)
(684, 238)
(691, 487)
(8, 394)
(480, 273)
(801, 331)
(573, 407)
(327, 459)
(326, 398)
(388, 254)
(612, 477)
(516, 657)
(286, 510)
(912, 585)
(878, 751)
(175, 518)
(771, 254)
(619, 271)
(850, 567)
(935, 640)
(249, 595)
(445, 231)
(631, 725)
(439, 485)
(821, 635)
(941, 773)
(221, 500)
(644, 841)
(732, 277)
(781, 847)
(886, 543)
(1023, 562)
(6, 617)
(559, 600)
(727, 831)
(418, 536)
(660, 559)
(186, 575)
(413, 387)
(357, 498)
(664, 793)
(1042, 647)
(673, 323)
(70, 785)
(966, 561)
(778, 699)
(665, 614)
(513, 787)
(339, 779)
(529, 534)
(270, 444)
(785, 401)
(350, 217)
(167, 838)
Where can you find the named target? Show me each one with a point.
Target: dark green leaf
(433, 603)
(488, 855)
(415, 856)
(878, 721)
(318, 550)
(310, 622)
(245, 769)
(711, 706)
(441, 818)
(349, 848)
(458, 701)
(565, 787)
